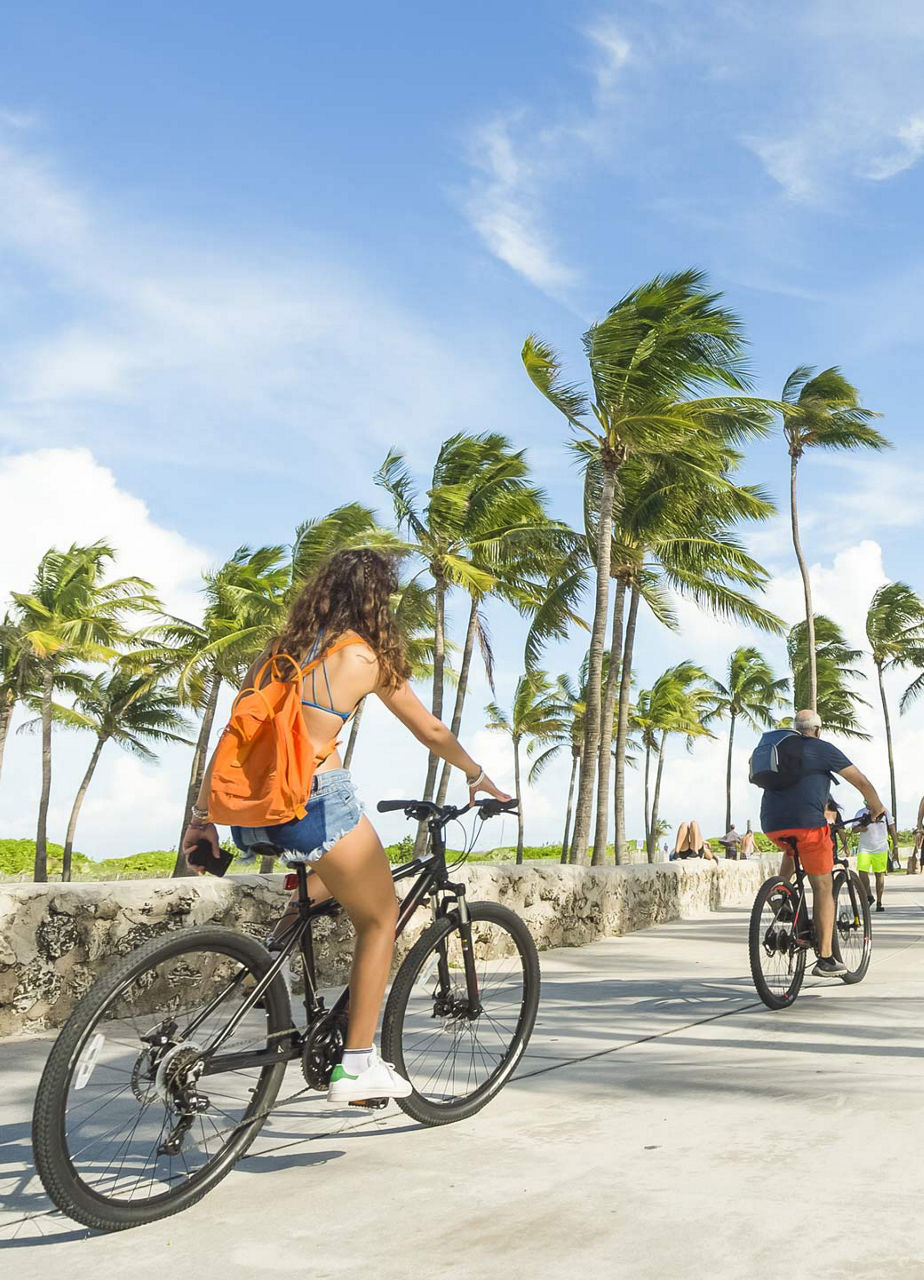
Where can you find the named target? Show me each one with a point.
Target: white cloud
(54, 497)
(501, 205)
(851, 105)
(517, 157)
(169, 349)
(612, 50)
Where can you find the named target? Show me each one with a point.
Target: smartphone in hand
(202, 856)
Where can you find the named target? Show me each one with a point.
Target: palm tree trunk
(199, 761)
(888, 729)
(806, 586)
(606, 729)
(75, 811)
(728, 774)
(354, 730)
(647, 799)
(40, 874)
(653, 842)
(6, 715)
(461, 690)
(622, 728)
(592, 714)
(516, 784)
(575, 760)
(436, 704)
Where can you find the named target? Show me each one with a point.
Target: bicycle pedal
(371, 1104)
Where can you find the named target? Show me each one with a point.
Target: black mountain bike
(781, 933)
(166, 1070)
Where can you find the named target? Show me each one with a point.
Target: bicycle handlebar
(420, 809)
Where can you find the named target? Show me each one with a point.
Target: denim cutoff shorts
(332, 811)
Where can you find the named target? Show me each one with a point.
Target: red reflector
(290, 882)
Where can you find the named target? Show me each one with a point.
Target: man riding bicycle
(794, 819)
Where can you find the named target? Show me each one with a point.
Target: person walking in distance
(794, 819)
(342, 631)
(873, 851)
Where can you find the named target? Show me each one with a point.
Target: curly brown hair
(351, 591)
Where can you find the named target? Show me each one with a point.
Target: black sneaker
(828, 967)
(880, 907)
(870, 899)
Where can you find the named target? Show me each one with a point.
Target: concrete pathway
(663, 1124)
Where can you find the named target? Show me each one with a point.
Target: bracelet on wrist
(477, 780)
(200, 817)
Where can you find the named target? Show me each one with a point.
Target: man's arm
(866, 789)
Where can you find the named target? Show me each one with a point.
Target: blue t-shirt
(803, 804)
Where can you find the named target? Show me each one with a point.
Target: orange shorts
(816, 852)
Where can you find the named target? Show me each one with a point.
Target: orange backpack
(265, 759)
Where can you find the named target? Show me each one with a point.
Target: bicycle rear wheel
(134, 1118)
(853, 940)
(455, 1061)
(777, 957)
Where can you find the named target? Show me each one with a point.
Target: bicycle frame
(432, 882)
(801, 894)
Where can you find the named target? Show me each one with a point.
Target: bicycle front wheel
(135, 1117)
(777, 955)
(853, 934)
(457, 1059)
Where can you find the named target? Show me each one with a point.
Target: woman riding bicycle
(348, 600)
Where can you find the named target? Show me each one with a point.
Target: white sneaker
(379, 1080)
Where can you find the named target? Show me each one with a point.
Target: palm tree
(245, 604)
(837, 703)
(570, 735)
(72, 615)
(821, 411)
(679, 701)
(17, 673)
(124, 705)
(656, 349)
(481, 511)
(349, 527)
(674, 532)
(750, 693)
(895, 631)
(535, 717)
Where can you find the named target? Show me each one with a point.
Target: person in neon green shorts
(873, 851)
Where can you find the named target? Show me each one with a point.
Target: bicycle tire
(841, 886)
(756, 938)
(417, 1105)
(53, 1160)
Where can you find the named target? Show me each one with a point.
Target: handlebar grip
(386, 806)
(490, 808)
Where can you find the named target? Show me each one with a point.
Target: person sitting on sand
(690, 842)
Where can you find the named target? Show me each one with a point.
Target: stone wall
(54, 939)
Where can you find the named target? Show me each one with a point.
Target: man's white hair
(806, 721)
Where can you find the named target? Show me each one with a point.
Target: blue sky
(243, 252)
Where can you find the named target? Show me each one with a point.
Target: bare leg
(823, 912)
(682, 843)
(880, 887)
(695, 837)
(356, 872)
(864, 880)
